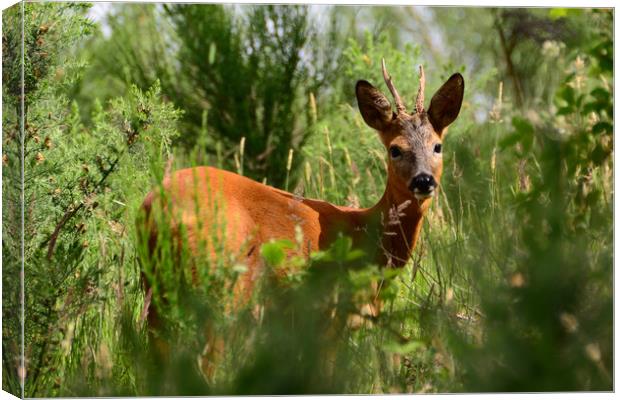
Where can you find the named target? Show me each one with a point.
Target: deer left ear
(374, 106)
(446, 103)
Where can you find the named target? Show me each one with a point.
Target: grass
(509, 287)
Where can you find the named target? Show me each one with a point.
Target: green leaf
(510, 140)
(274, 252)
(319, 255)
(600, 94)
(588, 108)
(389, 273)
(564, 111)
(341, 247)
(602, 127)
(599, 154)
(403, 348)
(212, 51)
(556, 13)
(522, 126)
(567, 94)
(364, 277)
(355, 254)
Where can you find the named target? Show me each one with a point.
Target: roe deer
(256, 213)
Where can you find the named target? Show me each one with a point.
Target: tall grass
(509, 287)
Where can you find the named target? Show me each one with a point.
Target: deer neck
(399, 216)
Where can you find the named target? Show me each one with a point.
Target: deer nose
(422, 184)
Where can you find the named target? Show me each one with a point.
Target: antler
(419, 101)
(400, 107)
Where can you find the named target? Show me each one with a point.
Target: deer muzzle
(423, 186)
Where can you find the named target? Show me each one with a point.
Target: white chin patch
(421, 196)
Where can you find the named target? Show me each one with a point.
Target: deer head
(413, 140)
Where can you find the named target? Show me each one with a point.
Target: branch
(51, 241)
(509, 65)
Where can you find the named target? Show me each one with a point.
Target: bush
(80, 183)
(509, 288)
(243, 67)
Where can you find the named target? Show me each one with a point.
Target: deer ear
(374, 106)
(446, 103)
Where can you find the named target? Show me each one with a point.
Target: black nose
(422, 183)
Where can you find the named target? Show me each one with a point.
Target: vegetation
(509, 289)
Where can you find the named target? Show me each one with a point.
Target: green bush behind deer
(510, 288)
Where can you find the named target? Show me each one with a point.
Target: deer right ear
(374, 106)
(446, 103)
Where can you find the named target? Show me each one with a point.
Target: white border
(480, 3)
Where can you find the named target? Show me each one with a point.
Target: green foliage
(509, 288)
(74, 211)
(252, 83)
(48, 30)
(543, 317)
(274, 253)
(244, 67)
(80, 234)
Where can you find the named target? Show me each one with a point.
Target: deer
(256, 213)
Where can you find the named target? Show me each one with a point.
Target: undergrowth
(508, 289)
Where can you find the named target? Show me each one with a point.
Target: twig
(51, 241)
(145, 309)
(509, 65)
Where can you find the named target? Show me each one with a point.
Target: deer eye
(437, 148)
(395, 152)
